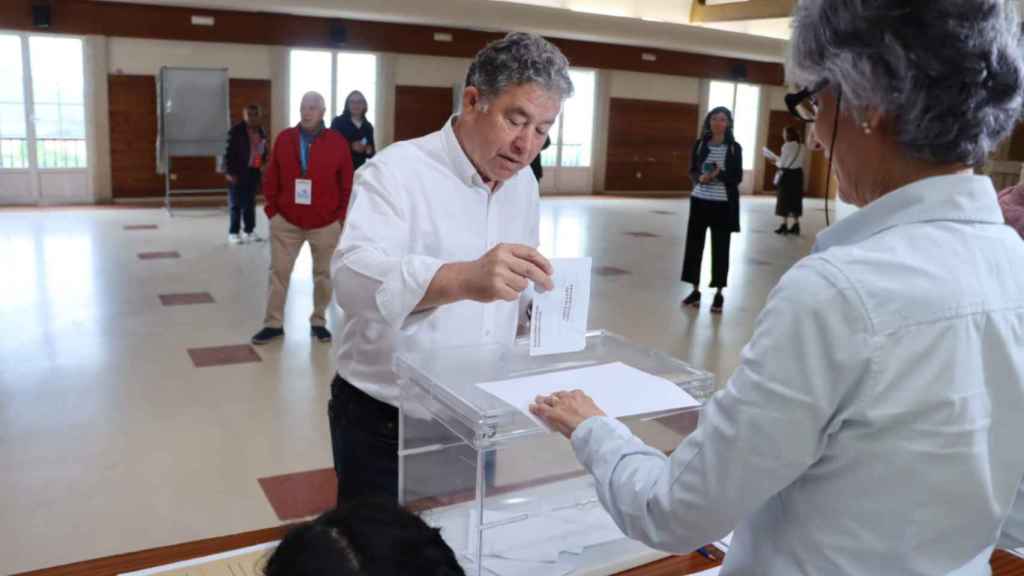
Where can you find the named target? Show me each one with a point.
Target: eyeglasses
(804, 104)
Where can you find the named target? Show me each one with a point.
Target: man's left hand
(565, 411)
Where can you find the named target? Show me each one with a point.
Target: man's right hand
(505, 272)
(229, 178)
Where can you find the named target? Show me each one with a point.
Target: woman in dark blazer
(716, 168)
(354, 126)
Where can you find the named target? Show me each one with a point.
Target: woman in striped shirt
(716, 168)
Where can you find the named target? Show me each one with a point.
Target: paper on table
(1018, 552)
(618, 389)
(545, 537)
(558, 320)
(709, 572)
(725, 543)
(505, 567)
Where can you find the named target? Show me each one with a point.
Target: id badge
(303, 191)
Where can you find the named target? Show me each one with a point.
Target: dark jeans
(364, 439)
(705, 215)
(242, 200)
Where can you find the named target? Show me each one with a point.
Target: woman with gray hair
(874, 424)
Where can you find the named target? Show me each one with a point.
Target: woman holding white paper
(789, 181)
(873, 425)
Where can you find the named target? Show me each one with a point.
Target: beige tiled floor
(110, 439)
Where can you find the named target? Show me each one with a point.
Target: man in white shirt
(439, 244)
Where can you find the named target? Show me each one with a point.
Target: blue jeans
(242, 200)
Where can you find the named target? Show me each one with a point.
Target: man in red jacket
(306, 188)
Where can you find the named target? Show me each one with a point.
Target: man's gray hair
(518, 59)
(947, 73)
(313, 95)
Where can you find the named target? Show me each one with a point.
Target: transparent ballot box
(509, 496)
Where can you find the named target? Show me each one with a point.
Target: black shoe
(795, 229)
(717, 303)
(782, 229)
(693, 300)
(266, 335)
(320, 333)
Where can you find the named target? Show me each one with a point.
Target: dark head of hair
(791, 134)
(706, 132)
(347, 111)
(365, 538)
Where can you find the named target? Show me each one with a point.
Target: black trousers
(364, 440)
(242, 201)
(707, 215)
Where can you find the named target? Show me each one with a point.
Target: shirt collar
(956, 198)
(460, 163)
(310, 135)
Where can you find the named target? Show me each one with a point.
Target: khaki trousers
(286, 241)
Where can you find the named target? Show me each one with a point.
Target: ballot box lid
(443, 383)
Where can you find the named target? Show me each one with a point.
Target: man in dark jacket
(243, 161)
(306, 190)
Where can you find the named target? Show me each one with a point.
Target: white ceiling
(648, 23)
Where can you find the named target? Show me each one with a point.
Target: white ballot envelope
(559, 317)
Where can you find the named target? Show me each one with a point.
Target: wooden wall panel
(133, 137)
(777, 122)
(1016, 146)
(650, 139)
(420, 110)
(173, 23)
(820, 177)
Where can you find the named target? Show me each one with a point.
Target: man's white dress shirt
(415, 206)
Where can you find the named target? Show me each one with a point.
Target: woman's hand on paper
(565, 411)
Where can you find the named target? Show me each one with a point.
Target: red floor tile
(186, 298)
(159, 255)
(610, 271)
(223, 355)
(301, 494)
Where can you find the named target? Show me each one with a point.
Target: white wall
(437, 71)
(136, 56)
(776, 97)
(641, 86)
(97, 118)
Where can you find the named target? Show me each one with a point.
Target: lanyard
(304, 154)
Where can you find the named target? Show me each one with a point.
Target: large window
(57, 106)
(58, 101)
(13, 133)
(309, 71)
(357, 71)
(744, 100)
(334, 75)
(572, 137)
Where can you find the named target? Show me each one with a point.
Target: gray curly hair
(519, 58)
(948, 73)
